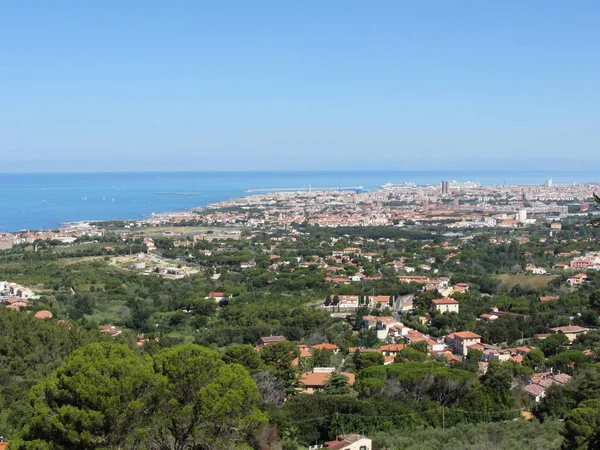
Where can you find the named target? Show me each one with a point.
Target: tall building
(522, 215)
(549, 182)
(445, 186)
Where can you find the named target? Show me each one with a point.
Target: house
(577, 280)
(461, 288)
(407, 306)
(349, 442)
(445, 305)
(391, 349)
(496, 354)
(462, 340)
(488, 317)
(540, 382)
(383, 325)
(535, 390)
(348, 301)
(314, 381)
(270, 340)
(148, 245)
(110, 329)
(248, 264)
(304, 353)
(571, 331)
(326, 346)
(218, 296)
(17, 303)
(549, 298)
(381, 299)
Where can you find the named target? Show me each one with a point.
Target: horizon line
(300, 171)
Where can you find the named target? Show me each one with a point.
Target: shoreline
(224, 191)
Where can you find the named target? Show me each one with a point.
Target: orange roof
(445, 301)
(466, 335)
(318, 379)
(569, 329)
(305, 353)
(392, 347)
(325, 346)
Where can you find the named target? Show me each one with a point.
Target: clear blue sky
(205, 85)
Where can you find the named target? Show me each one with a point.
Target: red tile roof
(466, 335)
(325, 346)
(445, 301)
(318, 379)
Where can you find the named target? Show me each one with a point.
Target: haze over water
(34, 201)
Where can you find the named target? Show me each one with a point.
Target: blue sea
(45, 200)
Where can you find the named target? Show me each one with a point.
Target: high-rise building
(549, 182)
(445, 186)
(522, 216)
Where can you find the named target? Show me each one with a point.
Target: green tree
(582, 427)
(322, 358)
(244, 355)
(337, 384)
(554, 344)
(364, 360)
(534, 359)
(101, 397)
(205, 403)
(409, 354)
(278, 358)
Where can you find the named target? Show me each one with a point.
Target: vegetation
(186, 372)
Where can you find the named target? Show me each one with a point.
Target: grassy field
(527, 281)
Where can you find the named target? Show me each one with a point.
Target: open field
(527, 281)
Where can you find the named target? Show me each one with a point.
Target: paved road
(398, 304)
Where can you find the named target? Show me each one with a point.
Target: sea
(36, 201)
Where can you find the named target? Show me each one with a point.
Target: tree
(534, 359)
(337, 384)
(409, 354)
(553, 344)
(595, 222)
(271, 389)
(322, 358)
(278, 358)
(563, 360)
(244, 355)
(205, 402)
(101, 397)
(582, 427)
(364, 360)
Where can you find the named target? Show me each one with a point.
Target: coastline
(48, 201)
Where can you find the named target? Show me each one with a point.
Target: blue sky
(148, 85)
